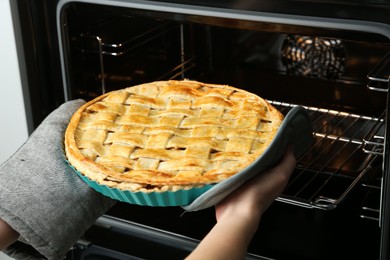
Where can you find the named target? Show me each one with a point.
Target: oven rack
(336, 162)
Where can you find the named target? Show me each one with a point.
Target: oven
(331, 57)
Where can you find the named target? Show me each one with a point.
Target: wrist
(248, 215)
(7, 235)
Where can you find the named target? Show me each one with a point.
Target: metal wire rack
(337, 160)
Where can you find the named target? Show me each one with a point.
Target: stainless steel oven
(332, 57)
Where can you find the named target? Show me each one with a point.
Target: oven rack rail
(338, 159)
(372, 187)
(370, 207)
(379, 77)
(102, 44)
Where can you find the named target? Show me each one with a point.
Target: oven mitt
(41, 197)
(296, 129)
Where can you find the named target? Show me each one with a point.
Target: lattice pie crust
(169, 135)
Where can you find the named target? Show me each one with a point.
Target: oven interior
(338, 76)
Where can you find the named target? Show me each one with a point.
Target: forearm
(229, 238)
(7, 235)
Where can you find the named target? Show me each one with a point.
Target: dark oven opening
(340, 77)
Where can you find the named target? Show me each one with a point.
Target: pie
(169, 135)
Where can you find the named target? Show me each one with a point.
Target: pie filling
(169, 135)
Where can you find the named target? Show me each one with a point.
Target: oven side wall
(385, 196)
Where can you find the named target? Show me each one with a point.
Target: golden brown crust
(169, 134)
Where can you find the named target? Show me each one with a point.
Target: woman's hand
(255, 196)
(239, 214)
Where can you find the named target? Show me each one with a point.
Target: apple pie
(169, 135)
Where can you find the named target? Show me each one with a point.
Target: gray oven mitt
(42, 198)
(296, 129)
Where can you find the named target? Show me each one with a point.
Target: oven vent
(317, 57)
